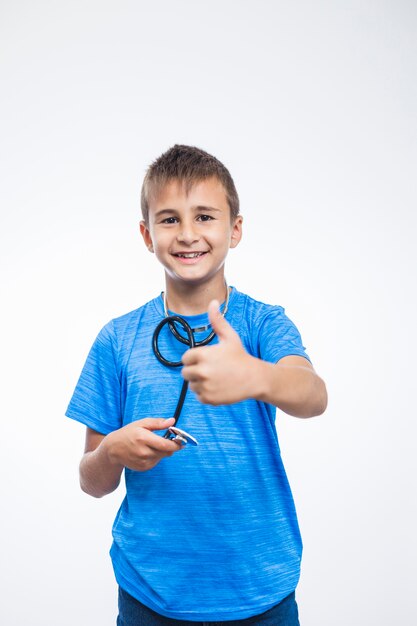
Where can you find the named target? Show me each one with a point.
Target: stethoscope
(174, 433)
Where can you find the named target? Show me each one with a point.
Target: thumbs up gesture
(220, 374)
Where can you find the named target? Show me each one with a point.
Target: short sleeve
(278, 337)
(96, 401)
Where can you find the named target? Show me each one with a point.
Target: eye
(205, 218)
(169, 220)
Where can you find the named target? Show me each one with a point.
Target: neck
(193, 299)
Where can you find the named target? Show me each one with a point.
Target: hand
(135, 446)
(223, 373)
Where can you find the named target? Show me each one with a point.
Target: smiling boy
(207, 534)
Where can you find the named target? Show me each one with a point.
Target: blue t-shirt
(211, 533)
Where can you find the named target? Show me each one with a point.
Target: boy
(206, 534)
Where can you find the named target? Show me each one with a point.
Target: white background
(312, 107)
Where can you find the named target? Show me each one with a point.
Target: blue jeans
(133, 613)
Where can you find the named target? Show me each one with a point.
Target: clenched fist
(223, 373)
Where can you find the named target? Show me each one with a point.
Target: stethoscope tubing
(190, 341)
(171, 319)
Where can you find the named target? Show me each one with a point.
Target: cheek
(160, 251)
(160, 241)
(222, 240)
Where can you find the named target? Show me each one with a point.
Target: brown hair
(188, 165)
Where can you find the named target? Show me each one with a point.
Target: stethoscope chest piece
(176, 434)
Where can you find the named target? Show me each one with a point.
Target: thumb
(219, 324)
(155, 423)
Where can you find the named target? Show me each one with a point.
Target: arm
(226, 373)
(134, 446)
(292, 385)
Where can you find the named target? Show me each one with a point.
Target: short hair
(187, 165)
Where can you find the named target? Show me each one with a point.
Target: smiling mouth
(189, 255)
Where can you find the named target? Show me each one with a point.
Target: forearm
(99, 474)
(294, 389)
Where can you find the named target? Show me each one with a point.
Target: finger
(160, 445)
(192, 356)
(203, 396)
(218, 323)
(191, 373)
(155, 423)
(196, 387)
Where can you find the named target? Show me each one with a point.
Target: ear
(144, 231)
(236, 235)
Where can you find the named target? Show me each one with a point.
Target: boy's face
(191, 235)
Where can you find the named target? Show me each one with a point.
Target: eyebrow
(199, 207)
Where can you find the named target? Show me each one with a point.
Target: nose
(187, 233)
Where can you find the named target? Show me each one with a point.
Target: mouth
(189, 257)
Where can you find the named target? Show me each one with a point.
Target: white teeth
(191, 255)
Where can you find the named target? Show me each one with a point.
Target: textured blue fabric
(210, 533)
(134, 613)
